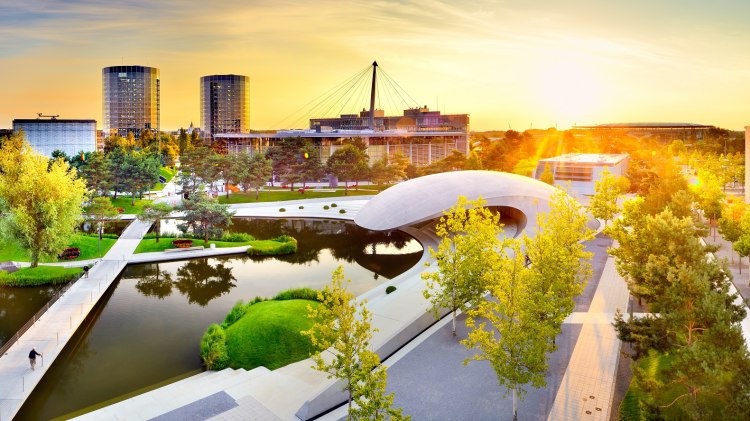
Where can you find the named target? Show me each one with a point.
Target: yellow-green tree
(342, 326)
(41, 201)
(547, 176)
(607, 191)
(506, 329)
(560, 265)
(468, 232)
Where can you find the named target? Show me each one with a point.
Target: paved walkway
(587, 387)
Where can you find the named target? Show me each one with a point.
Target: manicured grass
(167, 173)
(149, 245)
(124, 201)
(269, 335)
(40, 275)
(273, 247)
(87, 244)
(278, 195)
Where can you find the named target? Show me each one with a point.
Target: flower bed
(70, 253)
(183, 244)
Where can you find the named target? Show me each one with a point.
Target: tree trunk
(515, 405)
(158, 228)
(205, 236)
(257, 194)
(34, 257)
(453, 321)
(346, 188)
(132, 202)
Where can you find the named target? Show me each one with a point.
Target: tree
(560, 267)
(41, 203)
(183, 141)
(607, 190)
(143, 171)
(205, 216)
(710, 197)
(96, 171)
(547, 176)
(468, 232)
(193, 168)
(742, 244)
(155, 212)
(343, 325)
(348, 163)
(100, 211)
(255, 173)
(285, 155)
(309, 167)
(730, 222)
(510, 336)
(389, 170)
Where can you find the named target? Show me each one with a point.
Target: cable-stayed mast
(372, 95)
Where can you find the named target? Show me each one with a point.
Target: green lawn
(87, 244)
(269, 335)
(124, 201)
(167, 173)
(149, 245)
(40, 275)
(279, 195)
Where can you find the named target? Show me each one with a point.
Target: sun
(567, 90)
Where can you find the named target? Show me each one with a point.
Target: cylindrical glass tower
(130, 97)
(225, 104)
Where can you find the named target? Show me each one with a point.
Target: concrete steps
(176, 395)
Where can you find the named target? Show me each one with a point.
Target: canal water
(147, 328)
(17, 305)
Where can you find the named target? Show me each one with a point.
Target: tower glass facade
(225, 104)
(131, 100)
(69, 136)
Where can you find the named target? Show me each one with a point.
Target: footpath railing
(13, 339)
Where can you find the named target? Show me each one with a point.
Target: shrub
(214, 348)
(297, 294)
(237, 237)
(389, 289)
(284, 238)
(326, 207)
(333, 205)
(301, 207)
(235, 313)
(342, 211)
(282, 210)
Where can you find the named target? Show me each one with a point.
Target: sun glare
(567, 90)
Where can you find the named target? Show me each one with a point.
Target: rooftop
(653, 125)
(588, 158)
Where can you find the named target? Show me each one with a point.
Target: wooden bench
(184, 249)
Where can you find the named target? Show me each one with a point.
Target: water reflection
(17, 305)
(201, 282)
(148, 327)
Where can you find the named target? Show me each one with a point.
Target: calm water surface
(148, 327)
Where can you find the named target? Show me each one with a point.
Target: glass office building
(69, 136)
(130, 99)
(225, 104)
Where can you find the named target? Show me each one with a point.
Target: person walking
(32, 357)
(86, 271)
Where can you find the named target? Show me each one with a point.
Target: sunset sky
(507, 63)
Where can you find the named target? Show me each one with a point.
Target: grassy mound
(269, 335)
(40, 275)
(282, 244)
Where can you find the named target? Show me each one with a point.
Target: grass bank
(262, 333)
(167, 173)
(124, 201)
(88, 244)
(281, 245)
(40, 275)
(279, 195)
